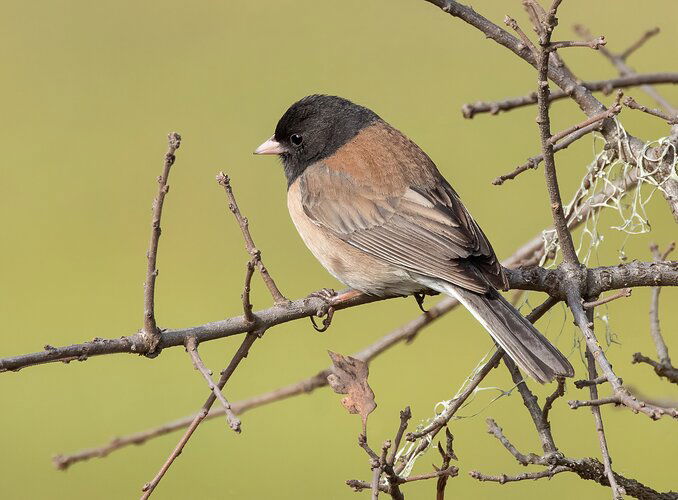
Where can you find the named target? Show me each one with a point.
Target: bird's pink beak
(270, 147)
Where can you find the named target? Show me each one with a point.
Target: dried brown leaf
(349, 376)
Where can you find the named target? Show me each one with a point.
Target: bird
(375, 211)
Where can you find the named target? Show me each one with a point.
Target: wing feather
(424, 230)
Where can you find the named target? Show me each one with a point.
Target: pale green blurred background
(90, 90)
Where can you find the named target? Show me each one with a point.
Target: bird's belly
(349, 265)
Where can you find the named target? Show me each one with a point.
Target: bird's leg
(345, 296)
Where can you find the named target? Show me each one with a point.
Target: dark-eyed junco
(374, 210)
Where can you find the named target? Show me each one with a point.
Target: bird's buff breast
(349, 265)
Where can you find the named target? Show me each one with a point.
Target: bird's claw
(327, 295)
(327, 321)
(419, 297)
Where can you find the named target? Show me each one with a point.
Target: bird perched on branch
(378, 215)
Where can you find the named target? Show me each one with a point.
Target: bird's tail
(531, 351)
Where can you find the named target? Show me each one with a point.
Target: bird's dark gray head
(312, 129)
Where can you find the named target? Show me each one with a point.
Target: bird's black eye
(296, 139)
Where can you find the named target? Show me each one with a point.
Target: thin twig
(639, 43)
(621, 394)
(503, 478)
(192, 349)
(580, 384)
(246, 303)
(240, 354)
(611, 111)
(447, 455)
(610, 400)
(630, 102)
(451, 471)
(595, 43)
(359, 485)
(512, 23)
(619, 62)
(663, 172)
(470, 110)
(444, 417)
(405, 416)
(633, 147)
(225, 182)
(362, 442)
(533, 162)
(663, 368)
(150, 331)
(544, 122)
(379, 469)
(496, 431)
(305, 386)
(548, 404)
(624, 292)
(541, 423)
(617, 493)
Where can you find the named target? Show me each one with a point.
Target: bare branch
(192, 349)
(447, 455)
(544, 26)
(612, 111)
(246, 303)
(663, 368)
(568, 136)
(622, 395)
(533, 162)
(639, 43)
(541, 423)
(503, 478)
(661, 166)
(630, 102)
(548, 404)
(405, 416)
(278, 297)
(624, 292)
(580, 384)
(619, 62)
(617, 493)
(358, 486)
(240, 354)
(625, 398)
(512, 23)
(598, 280)
(470, 110)
(150, 332)
(594, 43)
(530, 253)
(404, 333)
(496, 431)
(444, 417)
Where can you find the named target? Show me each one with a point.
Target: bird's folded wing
(426, 230)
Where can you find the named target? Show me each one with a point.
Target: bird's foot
(331, 299)
(326, 294)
